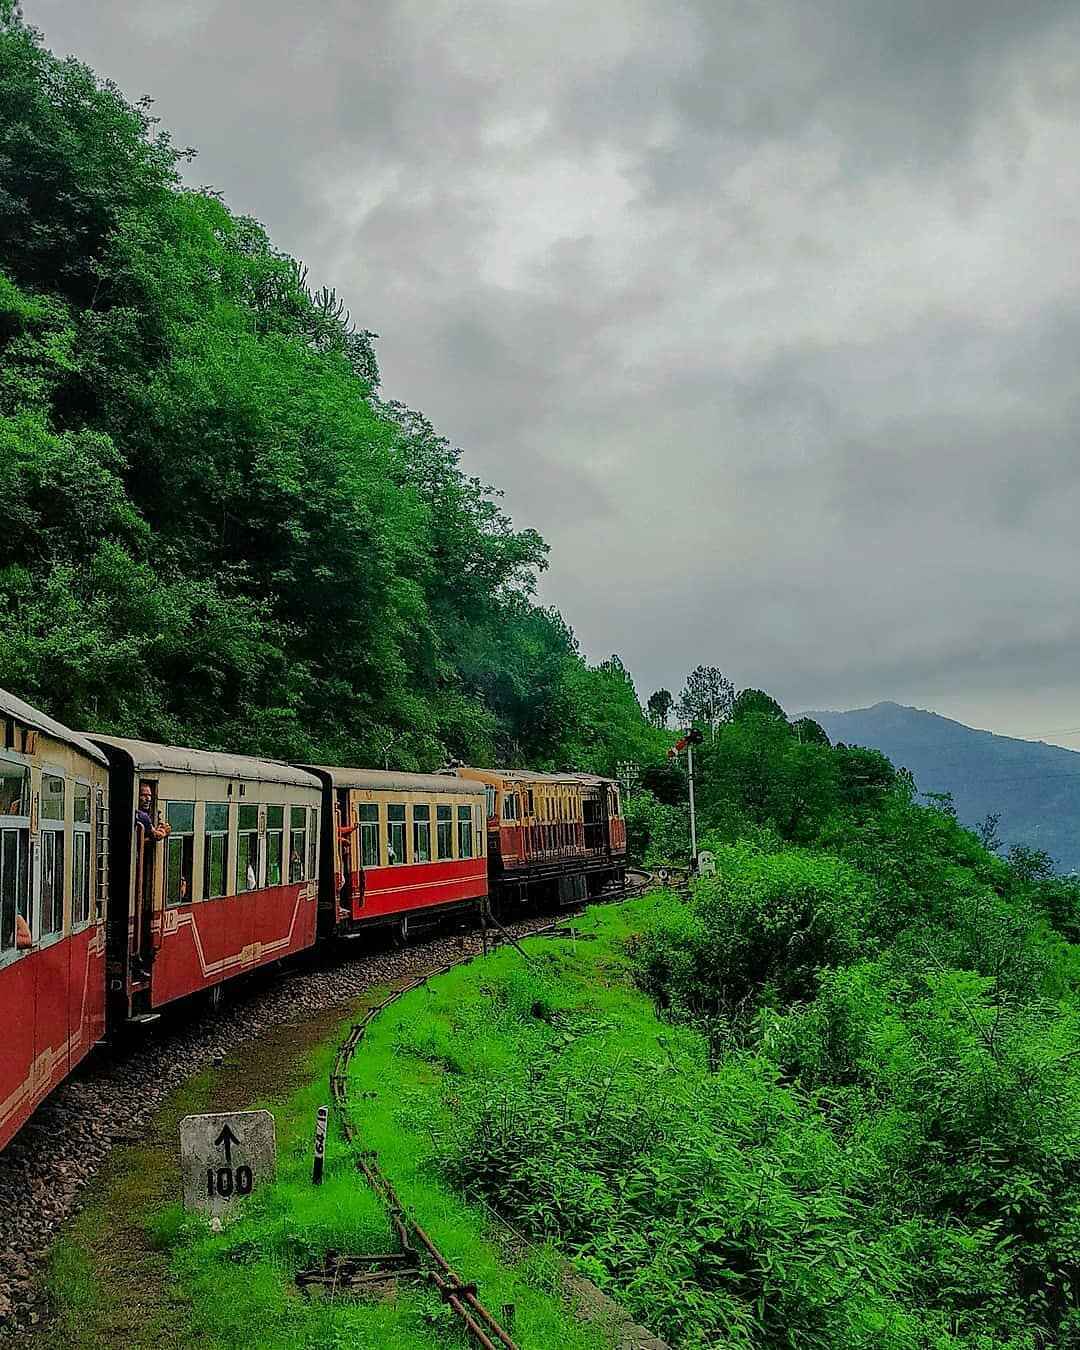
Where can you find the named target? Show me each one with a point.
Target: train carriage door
(369, 847)
(345, 864)
(616, 828)
(18, 924)
(51, 1030)
(593, 811)
(610, 816)
(147, 867)
(84, 969)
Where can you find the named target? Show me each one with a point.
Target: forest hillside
(218, 531)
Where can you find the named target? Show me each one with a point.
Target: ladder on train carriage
(101, 862)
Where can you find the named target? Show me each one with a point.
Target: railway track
(111, 1099)
(417, 1248)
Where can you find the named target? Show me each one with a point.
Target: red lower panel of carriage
(52, 1008)
(413, 886)
(214, 940)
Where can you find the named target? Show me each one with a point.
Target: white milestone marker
(224, 1158)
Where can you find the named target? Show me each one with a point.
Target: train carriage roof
(148, 757)
(532, 776)
(10, 706)
(392, 780)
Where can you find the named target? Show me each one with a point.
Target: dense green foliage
(218, 532)
(876, 1139)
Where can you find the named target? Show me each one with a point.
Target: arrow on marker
(225, 1140)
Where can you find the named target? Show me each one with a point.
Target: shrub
(765, 921)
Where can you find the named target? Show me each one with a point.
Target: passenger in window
(252, 879)
(142, 815)
(152, 834)
(24, 939)
(296, 866)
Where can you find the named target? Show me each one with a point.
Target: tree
(809, 732)
(660, 705)
(707, 698)
(1030, 864)
(987, 830)
(756, 703)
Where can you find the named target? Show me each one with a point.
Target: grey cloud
(762, 314)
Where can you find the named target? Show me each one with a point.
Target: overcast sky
(766, 314)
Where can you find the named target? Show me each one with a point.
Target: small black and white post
(320, 1146)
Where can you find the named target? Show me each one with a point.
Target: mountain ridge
(1035, 786)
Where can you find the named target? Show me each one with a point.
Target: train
(135, 875)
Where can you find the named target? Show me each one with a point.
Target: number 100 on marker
(228, 1181)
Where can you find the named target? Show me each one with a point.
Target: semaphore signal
(693, 737)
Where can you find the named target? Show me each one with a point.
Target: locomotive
(135, 875)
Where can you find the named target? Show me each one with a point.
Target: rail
(462, 1297)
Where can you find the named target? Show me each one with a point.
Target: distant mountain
(1035, 786)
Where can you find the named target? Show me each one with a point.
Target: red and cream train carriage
(232, 885)
(232, 862)
(398, 846)
(558, 834)
(53, 882)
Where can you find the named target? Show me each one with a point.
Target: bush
(765, 922)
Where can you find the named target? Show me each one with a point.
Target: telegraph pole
(693, 817)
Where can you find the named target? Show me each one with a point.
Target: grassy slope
(481, 1026)
(133, 1270)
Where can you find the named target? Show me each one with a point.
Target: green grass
(134, 1270)
(243, 1277)
(465, 1035)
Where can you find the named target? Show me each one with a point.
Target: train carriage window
(52, 855)
(179, 852)
(489, 794)
(14, 789)
(80, 856)
(614, 801)
(216, 850)
(510, 806)
(530, 808)
(444, 824)
(14, 879)
(465, 832)
(247, 849)
(478, 826)
(421, 833)
(275, 844)
(395, 834)
(297, 842)
(369, 834)
(52, 797)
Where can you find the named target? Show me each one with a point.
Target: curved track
(45, 1169)
(416, 1245)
